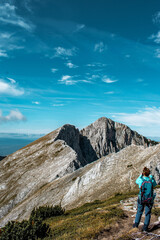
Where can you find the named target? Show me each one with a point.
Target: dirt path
(123, 230)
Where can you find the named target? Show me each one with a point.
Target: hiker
(146, 197)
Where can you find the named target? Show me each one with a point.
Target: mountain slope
(44, 163)
(111, 174)
(41, 162)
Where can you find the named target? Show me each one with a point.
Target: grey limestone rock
(106, 136)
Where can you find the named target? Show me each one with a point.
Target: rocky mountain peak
(50, 159)
(106, 136)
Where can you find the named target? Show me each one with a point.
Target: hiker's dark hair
(146, 171)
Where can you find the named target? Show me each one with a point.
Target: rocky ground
(123, 229)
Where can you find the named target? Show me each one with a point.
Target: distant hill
(155, 138)
(10, 143)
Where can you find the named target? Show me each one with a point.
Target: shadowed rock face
(1, 158)
(31, 171)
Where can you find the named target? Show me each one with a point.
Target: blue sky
(75, 61)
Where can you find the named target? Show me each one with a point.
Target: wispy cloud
(65, 52)
(145, 117)
(111, 92)
(92, 76)
(36, 102)
(157, 53)
(53, 70)
(100, 47)
(11, 80)
(58, 105)
(67, 80)
(156, 17)
(14, 115)
(3, 53)
(5, 35)
(96, 64)
(9, 42)
(8, 15)
(108, 80)
(71, 80)
(27, 5)
(10, 89)
(79, 27)
(127, 55)
(71, 65)
(140, 80)
(155, 37)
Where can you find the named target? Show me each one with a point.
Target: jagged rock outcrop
(106, 136)
(101, 179)
(37, 172)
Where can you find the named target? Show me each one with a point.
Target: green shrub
(25, 230)
(32, 229)
(44, 212)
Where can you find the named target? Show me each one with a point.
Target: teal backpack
(146, 192)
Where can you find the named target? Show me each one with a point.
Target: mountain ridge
(61, 155)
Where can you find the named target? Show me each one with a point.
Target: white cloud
(10, 89)
(111, 92)
(66, 79)
(96, 64)
(65, 52)
(92, 76)
(146, 117)
(155, 37)
(11, 80)
(91, 65)
(27, 4)
(8, 15)
(100, 47)
(9, 42)
(79, 27)
(58, 105)
(53, 70)
(140, 80)
(108, 80)
(70, 80)
(157, 53)
(37, 103)
(127, 55)
(156, 18)
(85, 81)
(71, 65)
(14, 115)
(5, 35)
(3, 53)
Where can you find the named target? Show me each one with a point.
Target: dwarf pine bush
(44, 212)
(32, 229)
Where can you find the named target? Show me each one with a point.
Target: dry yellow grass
(87, 221)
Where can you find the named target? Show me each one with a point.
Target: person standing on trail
(146, 197)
